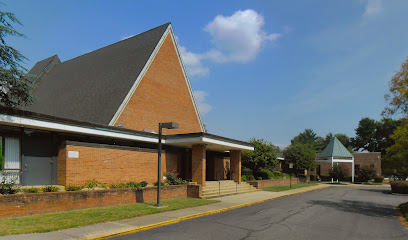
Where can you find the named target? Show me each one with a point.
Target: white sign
(73, 154)
(290, 165)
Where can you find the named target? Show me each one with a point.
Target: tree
(301, 155)
(14, 88)
(263, 156)
(397, 154)
(398, 95)
(374, 136)
(310, 138)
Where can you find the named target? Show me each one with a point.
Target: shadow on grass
(363, 208)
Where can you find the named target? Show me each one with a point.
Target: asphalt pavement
(330, 213)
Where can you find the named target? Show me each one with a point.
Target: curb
(179, 219)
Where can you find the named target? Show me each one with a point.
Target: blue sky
(264, 69)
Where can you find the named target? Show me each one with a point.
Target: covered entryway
(335, 152)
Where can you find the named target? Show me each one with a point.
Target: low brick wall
(275, 182)
(34, 203)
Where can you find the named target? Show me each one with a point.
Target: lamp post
(169, 125)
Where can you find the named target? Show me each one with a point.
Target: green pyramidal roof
(335, 149)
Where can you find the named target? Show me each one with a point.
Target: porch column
(198, 164)
(235, 165)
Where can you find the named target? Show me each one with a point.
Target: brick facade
(162, 96)
(35, 203)
(370, 159)
(110, 165)
(276, 182)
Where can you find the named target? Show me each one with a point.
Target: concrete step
(210, 195)
(228, 188)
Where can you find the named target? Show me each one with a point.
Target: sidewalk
(160, 219)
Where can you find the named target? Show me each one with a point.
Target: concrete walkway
(150, 221)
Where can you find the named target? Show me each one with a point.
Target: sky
(258, 69)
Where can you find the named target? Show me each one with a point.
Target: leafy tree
(310, 138)
(374, 136)
(398, 95)
(301, 155)
(14, 88)
(338, 172)
(397, 154)
(263, 156)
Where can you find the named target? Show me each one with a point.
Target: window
(11, 154)
(356, 168)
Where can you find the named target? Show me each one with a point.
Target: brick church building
(96, 116)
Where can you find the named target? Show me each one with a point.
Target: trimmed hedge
(399, 187)
(378, 179)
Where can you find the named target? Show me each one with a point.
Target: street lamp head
(170, 125)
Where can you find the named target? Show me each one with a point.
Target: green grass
(76, 218)
(404, 210)
(287, 187)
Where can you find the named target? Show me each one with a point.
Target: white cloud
(200, 97)
(235, 38)
(373, 7)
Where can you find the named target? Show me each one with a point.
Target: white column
(332, 167)
(352, 170)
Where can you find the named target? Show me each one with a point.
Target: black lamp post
(169, 125)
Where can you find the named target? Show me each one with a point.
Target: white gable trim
(122, 107)
(190, 90)
(139, 78)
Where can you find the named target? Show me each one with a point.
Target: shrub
(285, 175)
(338, 172)
(50, 189)
(92, 184)
(404, 208)
(259, 178)
(378, 179)
(266, 174)
(313, 177)
(243, 178)
(143, 183)
(277, 174)
(399, 186)
(118, 185)
(247, 172)
(250, 177)
(132, 184)
(366, 173)
(73, 188)
(302, 176)
(30, 190)
(7, 187)
(161, 184)
(173, 179)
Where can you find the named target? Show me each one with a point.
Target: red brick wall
(162, 96)
(198, 165)
(275, 182)
(34, 203)
(109, 165)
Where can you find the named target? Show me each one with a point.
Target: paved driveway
(331, 213)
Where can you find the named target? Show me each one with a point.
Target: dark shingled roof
(38, 68)
(91, 87)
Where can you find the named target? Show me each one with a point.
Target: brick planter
(275, 182)
(34, 203)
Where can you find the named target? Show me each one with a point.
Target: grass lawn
(287, 187)
(76, 218)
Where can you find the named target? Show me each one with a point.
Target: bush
(399, 186)
(7, 187)
(92, 184)
(403, 208)
(302, 176)
(143, 183)
(73, 188)
(378, 179)
(250, 177)
(266, 174)
(277, 174)
(247, 172)
(259, 178)
(50, 189)
(366, 173)
(313, 177)
(132, 184)
(30, 190)
(338, 173)
(161, 184)
(243, 178)
(173, 179)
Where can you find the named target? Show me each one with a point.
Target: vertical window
(11, 154)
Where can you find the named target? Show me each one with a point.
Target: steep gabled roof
(335, 149)
(36, 71)
(91, 87)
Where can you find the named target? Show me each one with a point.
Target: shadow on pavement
(364, 208)
(385, 191)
